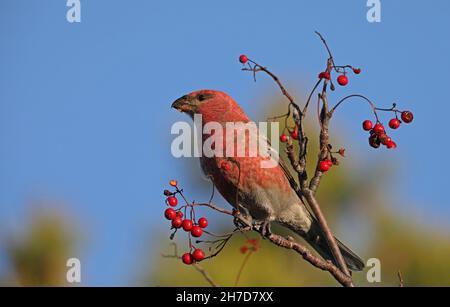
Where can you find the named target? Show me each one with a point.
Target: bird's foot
(265, 229)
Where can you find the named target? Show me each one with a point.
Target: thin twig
(197, 266)
(238, 276)
(205, 274)
(400, 278)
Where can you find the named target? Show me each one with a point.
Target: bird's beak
(182, 104)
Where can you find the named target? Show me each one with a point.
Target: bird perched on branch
(263, 194)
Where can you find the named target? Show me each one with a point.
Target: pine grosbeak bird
(262, 194)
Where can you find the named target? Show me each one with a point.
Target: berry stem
(238, 276)
(305, 108)
(391, 109)
(372, 106)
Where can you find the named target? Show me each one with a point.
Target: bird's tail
(318, 241)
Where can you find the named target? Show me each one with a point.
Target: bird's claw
(265, 229)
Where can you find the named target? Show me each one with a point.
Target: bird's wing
(290, 178)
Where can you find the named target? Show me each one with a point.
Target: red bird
(263, 195)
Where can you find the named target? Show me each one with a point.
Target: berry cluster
(250, 245)
(342, 79)
(292, 132)
(378, 134)
(193, 227)
(326, 164)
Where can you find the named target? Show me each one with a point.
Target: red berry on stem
(170, 214)
(243, 249)
(187, 225)
(325, 75)
(324, 165)
(196, 231)
(243, 58)
(394, 123)
(407, 116)
(367, 125)
(198, 254)
(179, 214)
(283, 138)
(391, 145)
(342, 80)
(294, 133)
(378, 129)
(384, 139)
(172, 201)
(357, 70)
(203, 222)
(187, 258)
(177, 222)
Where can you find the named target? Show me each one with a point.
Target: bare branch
(241, 268)
(314, 205)
(319, 263)
(400, 278)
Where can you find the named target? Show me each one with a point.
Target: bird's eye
(201, 97)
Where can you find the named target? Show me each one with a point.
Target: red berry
(394, 123)
(179, 214)
(187, 258)
(243, 249)
(198, 254)
(187, 225)
(196, 231)
(378, 129)
(243, 59)
(407, 116)
(170, 214)
(357, 70)
(384, 139)
(391, 145)
(177, 222)
(342, 80)
(367, 125)
(203, 222)
(283, 138)
(324, 165)
(330, 163)
(172, 201)
(294, 133)
(325, 75)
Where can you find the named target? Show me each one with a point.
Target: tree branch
(314, 205)
(319, 263)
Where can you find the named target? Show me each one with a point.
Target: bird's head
(212, 105)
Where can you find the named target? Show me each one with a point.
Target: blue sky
(84, 108)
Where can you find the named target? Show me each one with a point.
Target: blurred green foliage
(37, 256)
